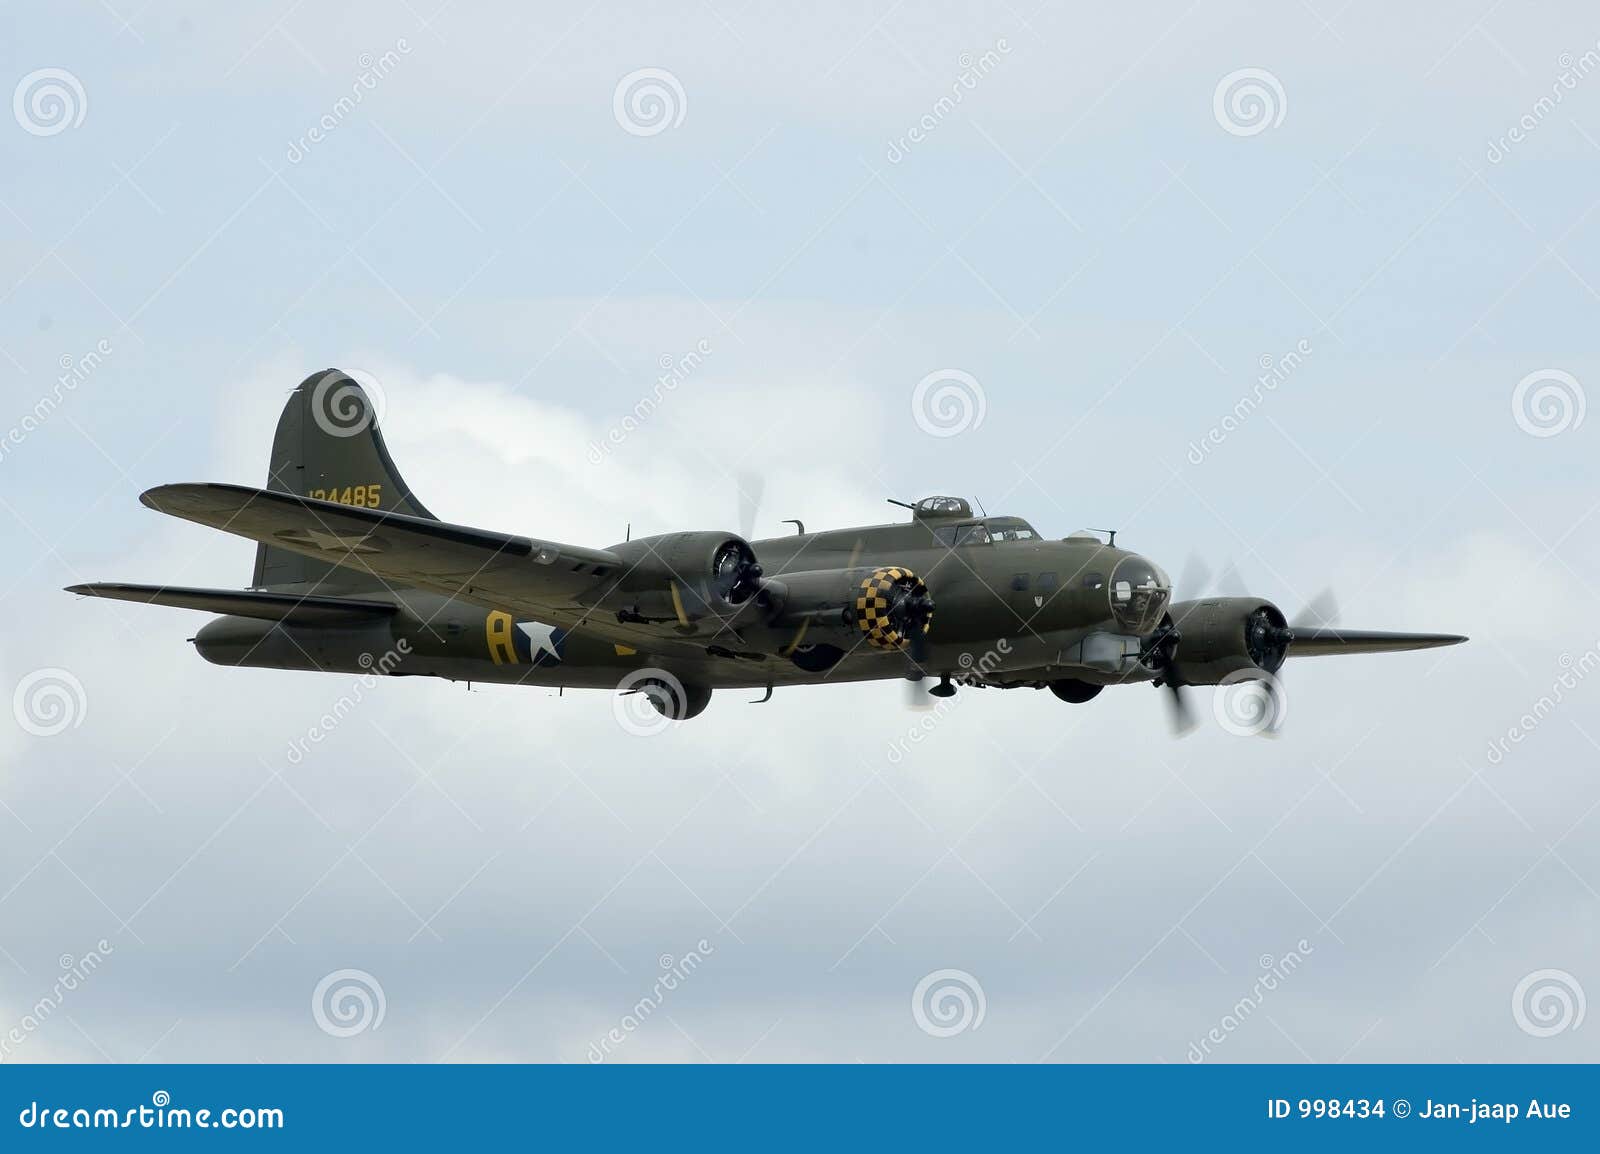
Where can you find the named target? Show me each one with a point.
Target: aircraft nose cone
(1139, 590)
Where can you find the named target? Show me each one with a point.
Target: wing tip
(151, 498)
(169, 498)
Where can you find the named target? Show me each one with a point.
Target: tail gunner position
(350, 565)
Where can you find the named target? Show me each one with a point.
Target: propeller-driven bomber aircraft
(350, 564)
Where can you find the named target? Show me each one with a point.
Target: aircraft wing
(290, 607)
(1322, 642)
(503, 571)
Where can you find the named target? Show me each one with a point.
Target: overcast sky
(1123, 217)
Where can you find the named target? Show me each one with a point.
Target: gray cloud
(510, 867)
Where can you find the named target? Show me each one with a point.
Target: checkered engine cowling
(877, 603)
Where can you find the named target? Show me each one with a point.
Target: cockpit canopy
(987, 531)
(951, 521)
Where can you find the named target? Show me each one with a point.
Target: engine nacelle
(1228, 635)
(684, 576)
(885, 607)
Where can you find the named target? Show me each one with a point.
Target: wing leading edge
(289, 607)
(1327, 641)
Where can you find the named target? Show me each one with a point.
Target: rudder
(328, 447)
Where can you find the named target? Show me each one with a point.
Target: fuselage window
(1020, 583)
(1094, 580)
(1046, 582)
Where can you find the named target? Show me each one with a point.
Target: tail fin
(328, 447)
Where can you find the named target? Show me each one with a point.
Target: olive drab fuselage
(353, 574)
(1008, 602)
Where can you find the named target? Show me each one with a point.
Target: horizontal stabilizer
(499, 570)
(288, 607)
(1321, 642)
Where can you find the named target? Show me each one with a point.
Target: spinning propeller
(913, 617)
(1263, 635)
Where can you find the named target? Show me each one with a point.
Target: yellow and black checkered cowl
(874, 603)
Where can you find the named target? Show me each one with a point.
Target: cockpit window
(984, 533)
(951, 535)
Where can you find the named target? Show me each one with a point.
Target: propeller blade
(1179, 713)
(1164, 651)
(751, 486)
(1195, 578)
(917, 695)
(1230, 584)
(916, 675)
(1278, 704)
(1277, 708)
(917, 649)
(1320, 613)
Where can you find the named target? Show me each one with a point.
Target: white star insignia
(540, 638)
